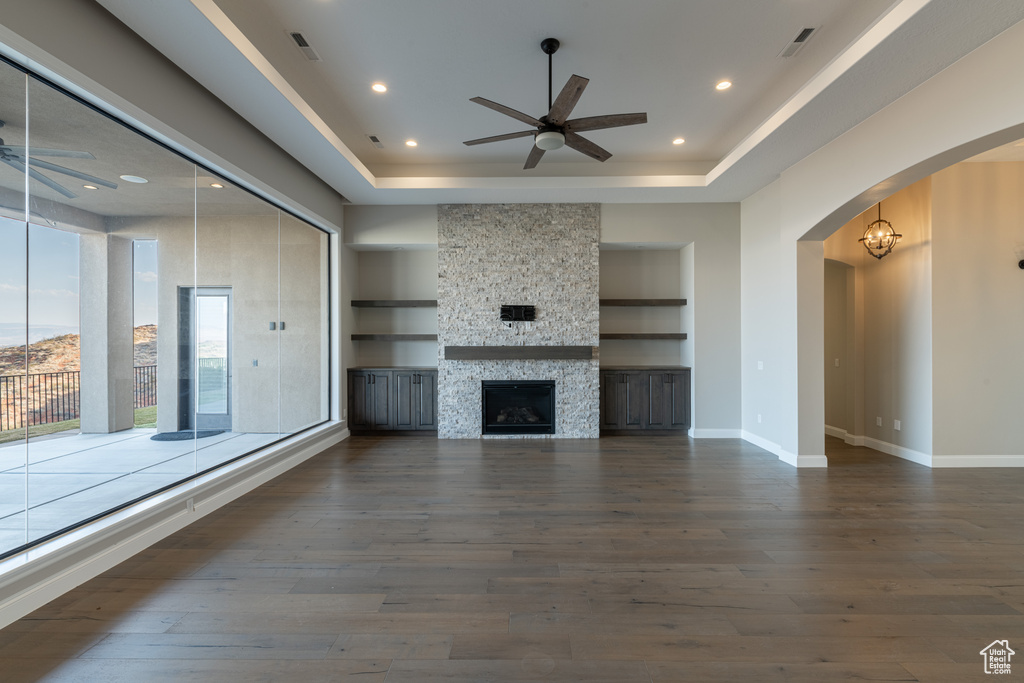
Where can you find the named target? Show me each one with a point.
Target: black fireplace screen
(519, 407)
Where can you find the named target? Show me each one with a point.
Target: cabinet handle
(415, 379)
(622, 379)
(668, 379)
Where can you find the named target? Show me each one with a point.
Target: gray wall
(978, 304)
(242, 252)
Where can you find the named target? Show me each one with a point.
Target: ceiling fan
(16, 156)
(555, 129)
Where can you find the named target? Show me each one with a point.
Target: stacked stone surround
(545, 255)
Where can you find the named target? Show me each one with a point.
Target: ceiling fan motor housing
(549, 140)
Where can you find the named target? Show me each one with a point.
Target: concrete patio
(72, 478)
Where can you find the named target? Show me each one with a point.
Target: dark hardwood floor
(619, 560)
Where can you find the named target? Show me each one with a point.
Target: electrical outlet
(759, 418)
(344, 413)
(878, 422)
(190, 505)
(837, 362)
(896, 425)
(760, 365)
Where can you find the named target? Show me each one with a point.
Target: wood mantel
(518, 352)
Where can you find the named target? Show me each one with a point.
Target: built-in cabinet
(635, 399)
(392, 399)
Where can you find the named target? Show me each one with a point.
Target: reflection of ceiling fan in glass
(15, 156)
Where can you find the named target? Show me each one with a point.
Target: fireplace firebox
(519, 407)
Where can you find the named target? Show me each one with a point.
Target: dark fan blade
(71, 172)
(535, 154)
(581, 144)
(567, 99)
(507, 111)
(607, 121)
(36, 175)
(44, 152)
(499, 138)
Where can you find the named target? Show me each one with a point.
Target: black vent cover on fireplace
(517, 313)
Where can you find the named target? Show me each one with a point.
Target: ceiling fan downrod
(550, 47)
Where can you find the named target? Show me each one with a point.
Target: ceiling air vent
(797, 43)
(303, 44)
(376, 141)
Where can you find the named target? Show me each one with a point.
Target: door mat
(186, 434)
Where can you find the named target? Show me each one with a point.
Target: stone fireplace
(515, 255)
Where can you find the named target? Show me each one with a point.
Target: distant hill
(63, 353)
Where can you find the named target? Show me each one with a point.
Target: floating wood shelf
(677, 336)
(518, 352)
(394, 337)
(394, 303)
(643, 302)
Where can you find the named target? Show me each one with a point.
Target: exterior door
(206, 367)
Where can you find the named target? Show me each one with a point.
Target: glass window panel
(13, 316)
(149, 292)
(85, 455)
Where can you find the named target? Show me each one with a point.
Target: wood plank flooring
(619, 560)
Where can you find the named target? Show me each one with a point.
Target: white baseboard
(784, 455)
(837, 432)
(926, 459)
(31, 579)
(716, 433)
(893, 449)
(978, 461)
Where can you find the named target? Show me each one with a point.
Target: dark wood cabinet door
(634, 387)
(369, 399)
(678, 400)
(405, 399)
(360, 400)
(655, 406)
(426, 401)
(380, 386)
(610, 390)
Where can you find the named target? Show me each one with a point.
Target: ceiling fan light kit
(555, 129)
(549, 140)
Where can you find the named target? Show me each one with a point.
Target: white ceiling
(658, 56)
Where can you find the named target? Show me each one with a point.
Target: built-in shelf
(676, 336)
(394, 303)
(643, 302)
(394, 337)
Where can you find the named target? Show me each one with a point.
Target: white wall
(405, 274)
(978, 312)
(837, 336)
(957, 113)
(713, 231)
(641, 274)
(895, 328)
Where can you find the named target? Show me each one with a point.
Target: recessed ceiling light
(134, 179)
(723, 85)
(411, 143)
(90, 187)
(379, 87)
(217, 185)
(678, 141)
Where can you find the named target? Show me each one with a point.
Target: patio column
(107, 388)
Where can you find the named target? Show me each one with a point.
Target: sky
(53, 283)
